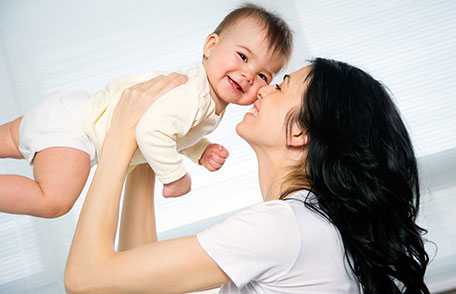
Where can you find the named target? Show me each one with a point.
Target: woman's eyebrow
(287, 78)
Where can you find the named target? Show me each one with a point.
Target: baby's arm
(167, 119)
(195, 151)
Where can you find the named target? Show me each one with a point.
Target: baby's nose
(249, 76)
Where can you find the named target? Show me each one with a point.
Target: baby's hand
(214, 157)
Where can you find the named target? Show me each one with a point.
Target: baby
(63, 136)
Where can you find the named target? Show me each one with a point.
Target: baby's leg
(9, 139)
(60, 174)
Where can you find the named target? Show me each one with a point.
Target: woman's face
(265, 124)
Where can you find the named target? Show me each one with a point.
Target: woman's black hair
(362, 169)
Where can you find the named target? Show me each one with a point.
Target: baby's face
(239, 62)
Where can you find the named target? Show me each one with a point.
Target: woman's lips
(253, 110)
(257, 105)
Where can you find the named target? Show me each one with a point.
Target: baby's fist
(214, 157)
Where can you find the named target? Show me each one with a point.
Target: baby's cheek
(251, 98)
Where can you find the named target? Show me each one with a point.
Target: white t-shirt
(279, 246)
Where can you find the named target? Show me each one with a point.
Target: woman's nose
(264, 91)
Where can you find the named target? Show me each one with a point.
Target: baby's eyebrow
(286, 77)
(247, 49)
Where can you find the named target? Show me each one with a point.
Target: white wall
(47, 45)
(409, 45)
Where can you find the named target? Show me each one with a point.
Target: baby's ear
(211, 42)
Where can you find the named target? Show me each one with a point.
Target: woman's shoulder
(274, 214)
(290, 209)
(263, 238)
(314, 226)
(287, 221)
(278, 214)
(258, 224)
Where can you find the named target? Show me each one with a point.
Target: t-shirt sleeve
(259, 243)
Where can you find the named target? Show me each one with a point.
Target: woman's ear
(211, 41)
(298, 137)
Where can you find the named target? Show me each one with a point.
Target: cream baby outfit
(174, 124)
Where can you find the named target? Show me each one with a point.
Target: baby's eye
(263, 77)
(242, 55)
(277, 87)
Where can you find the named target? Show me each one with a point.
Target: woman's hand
(137, 99)
(144, 265)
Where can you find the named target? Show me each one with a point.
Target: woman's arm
(137, 225)
(93, 266)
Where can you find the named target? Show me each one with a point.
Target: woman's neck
(271, 172)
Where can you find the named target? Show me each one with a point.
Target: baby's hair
(278, 34)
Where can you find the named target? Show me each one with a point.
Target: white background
(48, 45)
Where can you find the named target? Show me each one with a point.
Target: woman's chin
(239, 130)
(244, 131)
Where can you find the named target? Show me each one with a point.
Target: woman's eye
(277, 87)
(263, 77)
(243, 57)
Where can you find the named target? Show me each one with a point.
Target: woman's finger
(165, 83)
(161, 83)
(147, 84)
(136, 100)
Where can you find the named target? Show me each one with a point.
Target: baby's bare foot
(178, 188)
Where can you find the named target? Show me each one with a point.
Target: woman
(338, 175)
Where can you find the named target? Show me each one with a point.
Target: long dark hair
(362, 169)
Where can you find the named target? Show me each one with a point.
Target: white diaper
(57, 122)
